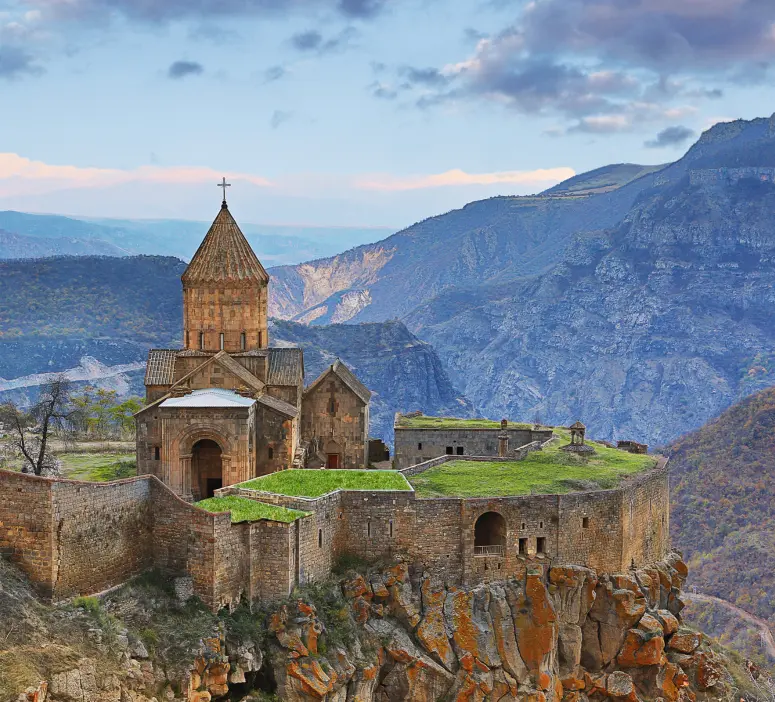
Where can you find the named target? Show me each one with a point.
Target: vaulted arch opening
(206, 468)
(490, 534)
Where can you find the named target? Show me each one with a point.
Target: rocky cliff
(385, 635)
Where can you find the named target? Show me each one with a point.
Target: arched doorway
(490, 535)
(206, 468)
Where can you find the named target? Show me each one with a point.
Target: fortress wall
(231, 561)
(538, 514)
(26, 527)
(472, 442)
(376, 525)
(272, 564)
(599, 544)
(319, 538)
(103, 533)
(433, 537)
(645, 519)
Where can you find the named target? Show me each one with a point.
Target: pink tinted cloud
(19, 175)
(457, 177)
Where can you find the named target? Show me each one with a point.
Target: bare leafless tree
(32, 430)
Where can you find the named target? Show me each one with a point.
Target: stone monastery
(228, 416)
(227, 407)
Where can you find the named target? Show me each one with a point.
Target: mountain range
(638, 299)
(24, 235)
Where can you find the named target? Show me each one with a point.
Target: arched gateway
(206, 468)
(490, 535)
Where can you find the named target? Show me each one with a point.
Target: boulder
(467, 617)
(505, 637)
(620, 686)
(432, 630)
(641, 648)
(685, 641)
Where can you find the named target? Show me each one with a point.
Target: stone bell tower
(225, 292)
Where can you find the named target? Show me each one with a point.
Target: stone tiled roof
(347, 377)
(224, 255)
(161, 366)
(286, 367)
(241, 372)
(278, 405)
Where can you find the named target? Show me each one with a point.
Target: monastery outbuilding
(228, 407)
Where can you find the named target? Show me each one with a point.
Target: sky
(357, 112)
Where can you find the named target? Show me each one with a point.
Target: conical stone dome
(224, 256)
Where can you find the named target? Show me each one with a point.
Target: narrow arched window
(243, 341)
(320, 538)
(271, 453)
(260, 339)
(201, 340)
(188, 339)
(221, 341)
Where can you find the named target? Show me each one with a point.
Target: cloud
(312, 41)
(279, 117)
(161, 12)
(593, 62)
(384, 91)
(181, 69)
(19, 175)
(17, 63)
(458, 177)
(672, 136)
(274, 73)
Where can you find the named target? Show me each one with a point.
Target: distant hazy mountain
(274, 244)
(19, 246)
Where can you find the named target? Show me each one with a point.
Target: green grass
(314, 483)
(424, 422)
(244, 510)
(98, 467)
(546, 472)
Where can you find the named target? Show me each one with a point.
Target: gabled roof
(209, 397)
(224, 255)
(286, 366)
(160, 369)
(278, 405)
(223, 359)
(347, 377)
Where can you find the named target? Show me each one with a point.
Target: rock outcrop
(561, 634)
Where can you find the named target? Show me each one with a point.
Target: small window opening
(201, 340)
(540, 525)
(260, 344)
(271, 453)
(585, 522)
(156, 453)
(449, 451)
(332, 406)
(188, 339)
(419, 446)
(523, 526)
(460, 451)
(523, 547)
(320, 538)
(221, 338)
(391, 528)
(341, 515)
(541, 544)
(368, 528)
(243, 341)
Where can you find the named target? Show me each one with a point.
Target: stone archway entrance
(206, 468)
(490, 535)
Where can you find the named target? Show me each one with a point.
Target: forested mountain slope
(723, 514)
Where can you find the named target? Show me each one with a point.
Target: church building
(228, 407)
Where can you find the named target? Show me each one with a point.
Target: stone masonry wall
(414, 446)
(104, 534)
(26, 527)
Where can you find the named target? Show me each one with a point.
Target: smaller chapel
(228, 407)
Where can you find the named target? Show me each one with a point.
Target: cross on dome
(223, 184)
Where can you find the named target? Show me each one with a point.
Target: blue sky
(356, 112)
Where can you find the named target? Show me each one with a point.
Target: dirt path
(760, 624)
